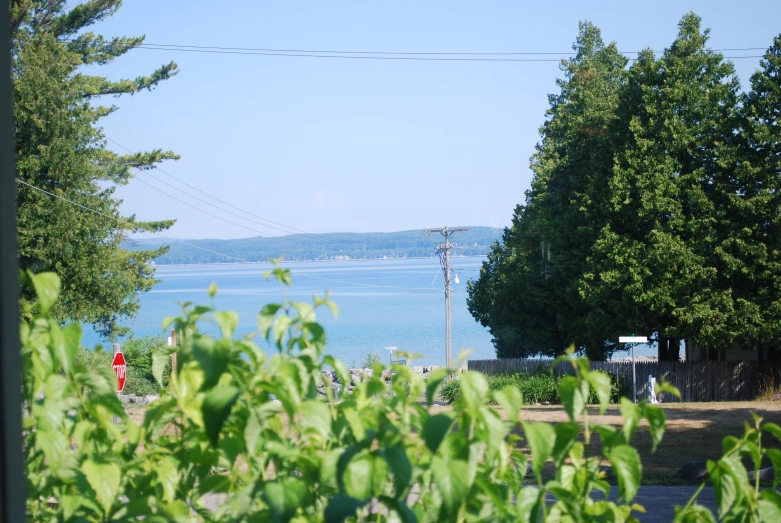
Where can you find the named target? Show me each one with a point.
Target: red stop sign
(120, 369)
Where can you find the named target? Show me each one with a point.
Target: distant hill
(329, 246)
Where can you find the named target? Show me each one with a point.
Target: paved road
(659, 502)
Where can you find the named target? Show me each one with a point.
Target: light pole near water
(444, 256)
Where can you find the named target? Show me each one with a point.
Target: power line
(464, 57)
(346, 56)
(207, 194)
(212, 205)
(271, 50)
(205, 212)
(125, 222)
(344, 241)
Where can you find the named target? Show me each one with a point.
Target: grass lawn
(694, 432)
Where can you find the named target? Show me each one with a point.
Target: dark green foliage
(61, 149)
(654, 208)
(527, 292)
(541, 386)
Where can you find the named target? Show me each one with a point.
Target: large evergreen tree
(527, 293)
(60, 149)
(748, 247)
(655, 208)
(653, 265)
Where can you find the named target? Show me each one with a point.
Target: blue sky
(327, 145)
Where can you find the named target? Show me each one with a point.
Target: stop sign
(120, 369)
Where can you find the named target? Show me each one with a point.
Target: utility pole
(443, 249)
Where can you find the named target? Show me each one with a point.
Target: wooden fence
(697, 380)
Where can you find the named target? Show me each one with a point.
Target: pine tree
(653, 264)
(61, 149)
(748, 251)
(527, 293)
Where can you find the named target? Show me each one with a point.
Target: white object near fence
(633, 339)
(652, 390)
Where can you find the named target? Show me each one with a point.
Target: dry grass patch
(694, 431)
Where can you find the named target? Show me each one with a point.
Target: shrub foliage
(255, 428)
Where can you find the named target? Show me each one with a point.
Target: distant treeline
(301, 247)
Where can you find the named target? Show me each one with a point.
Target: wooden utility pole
(443, 249)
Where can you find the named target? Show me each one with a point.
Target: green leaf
(566, 434)
(400, 467)
(47, 288)
(435, 429)
(434, 380)
(728, 477)
(305, 311)
(474, 390)
(601, 384)
(773, 429)
(167, 321)
(228, 321)
(656, 421)
(216, 407)
(168, 477)
(316, 415)
(775, 458)
(285, 497)
(160, 361)
(67, 351)
(769, 505)
(212, 358)
(105, 479)
(450, 477)
(574, 395)
(511, 400)
(266, 318)
(529, 504)
(357, 476)
(541, 438)
(631, 417)
(342, 372)
(627, 468)
(341, 507)
(693, 514)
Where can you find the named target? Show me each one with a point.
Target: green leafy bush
(541, 386)
(267, 432)
(138, 354)
(534, 388)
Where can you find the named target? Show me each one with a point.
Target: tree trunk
(669, 349)
(661, 347)
(674, 349)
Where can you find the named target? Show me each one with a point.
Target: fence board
(696, 380)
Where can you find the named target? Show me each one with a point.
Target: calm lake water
(381, 303)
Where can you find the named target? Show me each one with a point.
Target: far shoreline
(155, 264)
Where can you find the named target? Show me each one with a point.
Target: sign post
(119, 367)
(391, 350)
(633, 340)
